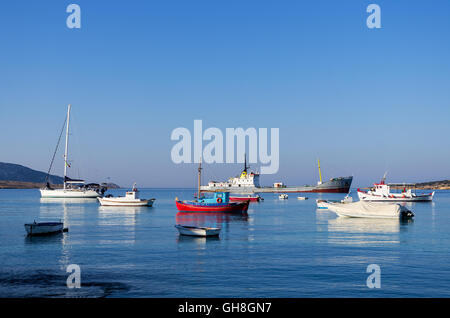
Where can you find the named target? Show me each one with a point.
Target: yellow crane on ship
(320, 172)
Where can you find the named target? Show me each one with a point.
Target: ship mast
(66, 163)
(245, 162)
(384, 178)
(320, 172)
(199, 178)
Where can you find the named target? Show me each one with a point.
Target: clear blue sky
(362, 100)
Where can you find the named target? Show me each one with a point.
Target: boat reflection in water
(123, 219)
(366, 231)
(197, 239)
(125, 211)
(57, 238)
(67, 200)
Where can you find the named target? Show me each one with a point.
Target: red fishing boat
(204, 205)
(219, 202)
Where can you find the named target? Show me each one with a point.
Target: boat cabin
(385, 189)
(132, 195)
(218, 197)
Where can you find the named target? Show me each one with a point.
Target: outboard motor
(406, 213)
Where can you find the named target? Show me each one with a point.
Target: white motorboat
(363, 209)
(302, 198)
(131, 198)
(283, 196)
(71, 188)
(382, 192)
(44, 228)
(197, 231)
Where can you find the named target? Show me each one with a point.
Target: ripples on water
(280, 249)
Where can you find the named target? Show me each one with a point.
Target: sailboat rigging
(71, 188)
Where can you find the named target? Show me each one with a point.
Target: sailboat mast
(67, 146)
(199, 178)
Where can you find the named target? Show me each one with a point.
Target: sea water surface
(280, 249)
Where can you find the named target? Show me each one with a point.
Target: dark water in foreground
(281, 249)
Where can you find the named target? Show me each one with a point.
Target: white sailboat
(71, 188)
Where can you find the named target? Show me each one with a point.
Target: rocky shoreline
(431, 185)
(33, 185)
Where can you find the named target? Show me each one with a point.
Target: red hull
(244, 199)
(228, 208)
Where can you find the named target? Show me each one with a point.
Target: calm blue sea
(281, 249)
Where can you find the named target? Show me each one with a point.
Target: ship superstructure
(247, 180)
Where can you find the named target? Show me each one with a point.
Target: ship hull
(69, 193)
(124, 202)
(226, 208)
(337, 185)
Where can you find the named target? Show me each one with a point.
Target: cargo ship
(248, 182)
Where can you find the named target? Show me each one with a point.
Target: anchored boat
(220, 202)
(44, 228)
(363, 209)
(71, 188)
(131, 198)
(197, 231)
(323, 204)
(382, 192)
(248, 182)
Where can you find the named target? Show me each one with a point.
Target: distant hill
(430, 185)
(434, 185)
(111, 185)
(14, 172)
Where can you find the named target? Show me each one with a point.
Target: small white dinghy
(44, 228)
(302, 198)
(283, 196)
(131, 198)
(197, 231)
(362, 209)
